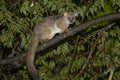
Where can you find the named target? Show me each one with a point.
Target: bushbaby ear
(76, 14)
(64, 13)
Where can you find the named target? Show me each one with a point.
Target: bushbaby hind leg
(45, 33)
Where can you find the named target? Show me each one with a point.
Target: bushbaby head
(70, 17)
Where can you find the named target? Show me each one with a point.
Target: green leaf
(51, 65)
(25, 7)
(80, 48)
(45, 2)
(91, 11)
(81, 12)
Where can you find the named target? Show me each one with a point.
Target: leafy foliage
(89, 55)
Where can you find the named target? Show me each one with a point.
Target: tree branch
(58, 38)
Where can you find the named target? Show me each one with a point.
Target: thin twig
(88, 59)
(111, 73)
(73, 54)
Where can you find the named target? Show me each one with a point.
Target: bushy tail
(31, 56)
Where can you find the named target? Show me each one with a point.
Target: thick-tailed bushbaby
(45, 30)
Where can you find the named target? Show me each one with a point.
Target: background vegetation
(93, 54)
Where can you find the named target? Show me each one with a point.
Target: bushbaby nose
(71, 21)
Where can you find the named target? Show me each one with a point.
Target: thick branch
(64, 35)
